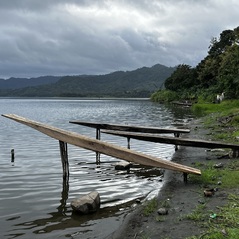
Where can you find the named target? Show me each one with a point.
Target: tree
(228, 74)
(183, 77)
(217, 47)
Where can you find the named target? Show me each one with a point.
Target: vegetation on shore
(222, 120)
(218, 72)
(223, 221)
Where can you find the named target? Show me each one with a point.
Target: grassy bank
(223, 121)
(222, 222)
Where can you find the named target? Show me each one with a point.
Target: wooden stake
(64, 159)
(177, 136)
(128, 140)
(185, 178)
(12, 155)
(97, 153)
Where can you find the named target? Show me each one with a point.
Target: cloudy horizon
(70, 37)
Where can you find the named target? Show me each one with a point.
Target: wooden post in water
(12, 156)
(64, 196)
(97, 153)
(64, 159)
(128, 140)
(176, 135)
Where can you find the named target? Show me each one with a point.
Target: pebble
(218, 165)
(162, 211)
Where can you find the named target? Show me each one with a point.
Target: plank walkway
(173, 140)
(131, 128)
(102, 147)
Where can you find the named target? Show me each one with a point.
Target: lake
(34, 201)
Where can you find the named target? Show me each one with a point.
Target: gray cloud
(60, 37)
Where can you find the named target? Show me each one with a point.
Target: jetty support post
(97, 153)
(12, 155)
(185, 178)
(64, 160)
(128, 141)
(177, 136)
(62, 208)
(235, 153)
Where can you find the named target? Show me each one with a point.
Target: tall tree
(228, 73)
(182, 78)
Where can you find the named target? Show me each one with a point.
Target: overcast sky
(66, 37)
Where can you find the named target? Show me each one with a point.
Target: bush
(164, 96)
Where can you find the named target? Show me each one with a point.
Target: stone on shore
(86, 204)
(162, 211)
(122, 165)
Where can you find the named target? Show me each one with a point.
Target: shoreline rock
(86, 204)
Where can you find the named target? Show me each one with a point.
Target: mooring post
(128, 140)
(64, 196)
(235, 153)
(185, 178)
(177, 136)
(12, 155)
(97, 153)
(64, 159)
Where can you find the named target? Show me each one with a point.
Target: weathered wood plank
(131, 128)
(102, 147)
(172, 140)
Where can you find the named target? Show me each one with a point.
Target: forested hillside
(138, 83)
(218, 72)
(17, 83)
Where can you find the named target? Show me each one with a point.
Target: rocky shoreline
(181, 198)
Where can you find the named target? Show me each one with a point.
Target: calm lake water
(34, 203)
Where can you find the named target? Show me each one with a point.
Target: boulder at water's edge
(86, 204)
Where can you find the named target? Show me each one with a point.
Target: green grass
(228, 175)
(150, 207)
(224, 108)
(197, 214)
(225, 225)
(216, 119)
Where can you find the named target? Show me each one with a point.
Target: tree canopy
(218, 72)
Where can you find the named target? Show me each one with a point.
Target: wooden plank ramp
(173, 140)
(102, 147)
(131, 128)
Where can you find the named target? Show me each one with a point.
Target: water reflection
(64, 196)
(65, 219)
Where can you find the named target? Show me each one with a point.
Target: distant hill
(137, 83)
(17, 83)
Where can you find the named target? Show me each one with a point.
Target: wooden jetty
(82, 141)
(131, 128)
(173, 140)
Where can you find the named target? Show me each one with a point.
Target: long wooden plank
(102, 147)
(173, 140)
(131, 128)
